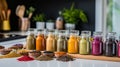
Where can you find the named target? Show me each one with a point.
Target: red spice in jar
(25, 58)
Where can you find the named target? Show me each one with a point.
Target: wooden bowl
(5, 51)
(2, 47)
(16, 46)
(48, 53)
(34, 53)
(20, 46)
(59, 54)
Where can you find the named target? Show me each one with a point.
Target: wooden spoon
(21, 11)
(4, 15)
(30, 15)
(17, 10)
(8, 14)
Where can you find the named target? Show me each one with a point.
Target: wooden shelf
(91, 57)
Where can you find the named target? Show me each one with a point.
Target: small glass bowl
(48, 53)
(34, 53)
(5, 51)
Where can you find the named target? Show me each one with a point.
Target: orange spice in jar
(51, 43)
(73, 44)
(40, 42)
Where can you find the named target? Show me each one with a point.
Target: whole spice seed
(65, 58)
(44, 58)
(25, 58)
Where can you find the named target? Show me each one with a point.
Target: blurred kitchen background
(51, 10)
(101, 15)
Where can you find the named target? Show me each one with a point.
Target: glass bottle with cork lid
(73, 44)
(62, 42)
(30, 41)
(51, 42)
(40, 41)
(60, 22)
(88, 34)
(110, 45)
(76, 32)
(97, 44)
(84, 45)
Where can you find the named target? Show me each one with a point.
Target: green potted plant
(30, 11)
(50, 24)
(72, 16)
(40, 21)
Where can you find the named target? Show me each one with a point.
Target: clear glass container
(76, 32)
(97, 43)
(86, 34)
(110, 45)
(61, 43)
(51, 41)
(84, 45)
(30, 41)
(73, 44)
(40, 41)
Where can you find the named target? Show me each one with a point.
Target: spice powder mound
(25, 58)
(12, 54)
(44, 58)
(65, 58)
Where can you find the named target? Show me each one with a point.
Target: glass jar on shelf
(62, 43)
(87, 34)
(97, 43)
(84, 45)
(50, 41)
(110, 45)
(40, 41)
(30, 41)
(73, 44)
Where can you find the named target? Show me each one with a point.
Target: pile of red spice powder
(25, 58)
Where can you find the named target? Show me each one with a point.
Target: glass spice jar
(84, 46)
(97, 44)
(30, 41)
(73, 44)
(61, 44)
(40, 41)
(110, 45)
(51, 43)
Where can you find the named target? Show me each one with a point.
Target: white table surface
(12, 62)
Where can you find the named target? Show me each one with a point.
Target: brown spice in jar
(44, 58)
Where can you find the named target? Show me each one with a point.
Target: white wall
(100, 18)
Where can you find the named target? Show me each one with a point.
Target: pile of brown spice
(65, 58)
(44, 58)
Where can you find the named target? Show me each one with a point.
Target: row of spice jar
(85, 44)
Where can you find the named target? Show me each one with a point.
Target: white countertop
(12, 62)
